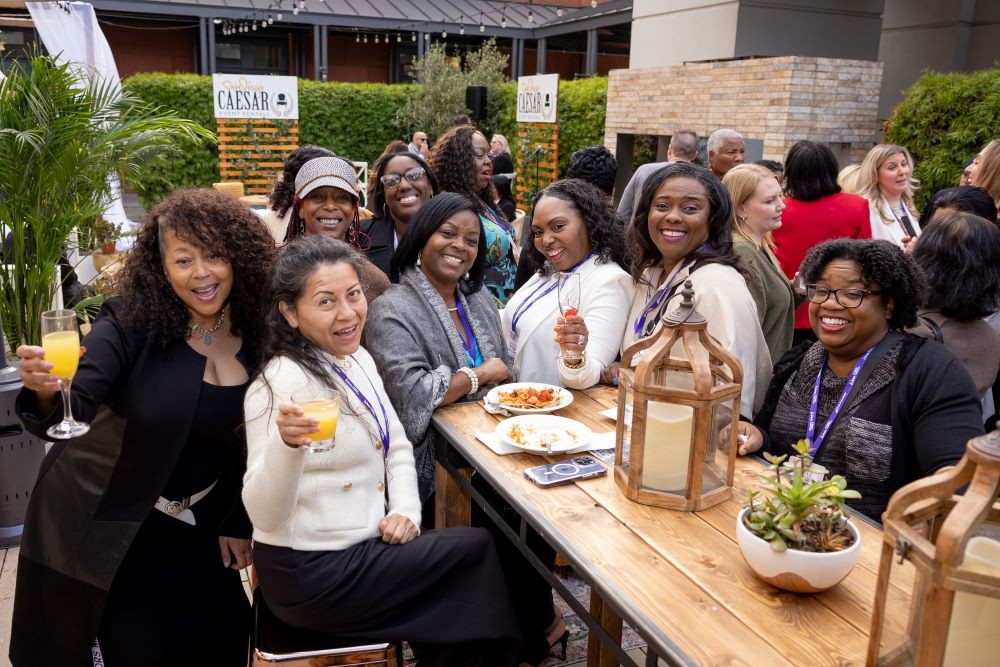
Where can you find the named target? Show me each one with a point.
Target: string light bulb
(357, 39)
(531, 16)
(427, 35)
(280, 16)
(399, 38)
(376, 39)
(270, 19)
(386, 38)
(295, 10)
(444, 33)
(558, 11)
(366, 39)
(413, 36)
(503, 21)
(461, 29)
(593, 3)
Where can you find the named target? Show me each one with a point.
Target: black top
(379, 241)
(216, 431)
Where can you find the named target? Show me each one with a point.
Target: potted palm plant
(62, 133)
(795, 534)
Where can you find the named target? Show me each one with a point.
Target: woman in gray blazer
(435, 333)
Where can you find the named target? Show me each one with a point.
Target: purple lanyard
(470, 345)
(640, 322)
(526, 305)
(383, 430)
(814, 445)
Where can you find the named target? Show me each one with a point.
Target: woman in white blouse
(886, 181)
(337, 533)
(575, 230)
(682, 231)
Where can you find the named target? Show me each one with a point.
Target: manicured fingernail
(614, 381)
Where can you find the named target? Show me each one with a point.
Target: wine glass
(61, 342)
(323, 406)
(568, 288)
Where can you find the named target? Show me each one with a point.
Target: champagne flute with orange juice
(324, 407)
(61, 342)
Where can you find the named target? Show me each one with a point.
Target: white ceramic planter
(796, 571)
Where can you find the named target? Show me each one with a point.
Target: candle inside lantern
(668, 446)
(972, 634)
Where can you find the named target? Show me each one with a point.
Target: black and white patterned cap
(326, 171)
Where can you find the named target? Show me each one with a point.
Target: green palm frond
(62, 133)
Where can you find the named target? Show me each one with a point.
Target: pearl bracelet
(473, 378)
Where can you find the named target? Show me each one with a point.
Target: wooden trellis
(537, 173)
(253, 150)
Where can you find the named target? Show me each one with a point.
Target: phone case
(565, 472)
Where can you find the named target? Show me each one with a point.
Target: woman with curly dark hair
(959, 254)
(879, 406)
(575, 230)
(461, 162)
(400, 183)
(283, 196)
(682, 230)
(138, 524)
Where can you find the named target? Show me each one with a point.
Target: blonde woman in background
(984, 172)
(757, 207)
(847, 179)
(886, 181)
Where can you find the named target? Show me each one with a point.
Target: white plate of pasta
(529, 398)
(543, 434)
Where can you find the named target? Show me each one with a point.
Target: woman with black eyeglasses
(879, 406)
(400, 184)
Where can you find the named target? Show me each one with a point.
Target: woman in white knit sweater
(337, 540)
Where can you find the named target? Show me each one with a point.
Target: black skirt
(444, 588)
(173, 602)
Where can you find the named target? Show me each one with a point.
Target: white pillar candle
(668, 446)
(972, 635)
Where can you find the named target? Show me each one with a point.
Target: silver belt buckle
(174, 507)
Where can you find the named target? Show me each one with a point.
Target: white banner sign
(537, 98)
(250, 96)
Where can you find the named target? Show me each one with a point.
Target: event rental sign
(537, 98)
(252, 96)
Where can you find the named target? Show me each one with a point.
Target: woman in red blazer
(815, 211)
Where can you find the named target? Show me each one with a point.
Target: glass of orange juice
(325, 407)
(61, 342)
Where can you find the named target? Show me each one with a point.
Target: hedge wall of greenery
(945, 119)
(356, 120)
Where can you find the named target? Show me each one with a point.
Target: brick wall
(776, 100)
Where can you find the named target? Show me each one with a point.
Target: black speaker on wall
(475, 100)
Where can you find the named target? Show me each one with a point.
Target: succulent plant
(794, 511)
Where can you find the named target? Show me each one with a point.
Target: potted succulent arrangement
(795, 533)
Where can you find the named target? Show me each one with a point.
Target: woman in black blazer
(103, 566)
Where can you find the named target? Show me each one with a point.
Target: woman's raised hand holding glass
(61, 343)
(572, 336)
(310, 421)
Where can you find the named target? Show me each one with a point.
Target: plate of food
(529, 398)
(543, 434)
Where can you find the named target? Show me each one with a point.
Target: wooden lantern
(673, 410)
(931, 549)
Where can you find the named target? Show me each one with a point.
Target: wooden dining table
(677, 578)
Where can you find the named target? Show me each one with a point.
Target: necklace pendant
(207, 340)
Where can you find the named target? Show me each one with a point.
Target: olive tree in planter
(61, 135)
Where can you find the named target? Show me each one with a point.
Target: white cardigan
(324, 501)
(605, 294)
(721, 295)
(890, 231)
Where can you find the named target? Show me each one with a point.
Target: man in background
(418, 144)
(683, 147)
(725, 151)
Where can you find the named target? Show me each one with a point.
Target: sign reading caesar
(537, 98)
(250, 96)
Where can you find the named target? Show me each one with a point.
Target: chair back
(232, 188)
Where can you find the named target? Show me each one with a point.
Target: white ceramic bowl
(792, 570)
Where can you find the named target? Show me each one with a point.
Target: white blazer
(890, 231)
(605, 294)
(721, 295)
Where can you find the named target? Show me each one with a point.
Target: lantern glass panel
(667, 447)
(972, 635)
(716, 460)
(627, 429)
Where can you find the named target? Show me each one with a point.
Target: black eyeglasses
(413, 175)
(848, 297)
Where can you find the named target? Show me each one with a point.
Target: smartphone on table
(565, 472)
